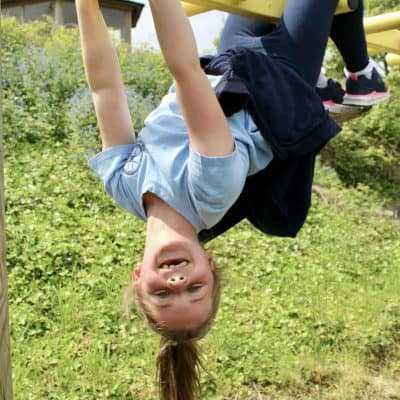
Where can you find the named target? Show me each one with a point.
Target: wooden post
(5, 361)
(58, 13)
(126, 35)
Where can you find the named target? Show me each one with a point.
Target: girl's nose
(177, 280)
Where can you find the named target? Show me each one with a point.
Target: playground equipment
(269, 10)
(393, 59)
(383, 31)
(383, 35)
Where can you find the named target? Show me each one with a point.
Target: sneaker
(364, 91)
(332, 96)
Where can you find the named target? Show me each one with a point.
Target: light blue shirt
(200, 188)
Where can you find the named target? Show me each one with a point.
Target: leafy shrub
(367, 151)
(83, 126)
(375, 7)
(41, 69)
(145, 70)
(15, 36)
(43, 78)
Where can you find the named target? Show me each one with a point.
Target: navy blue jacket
(290, 115)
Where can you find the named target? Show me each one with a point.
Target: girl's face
(176, 284)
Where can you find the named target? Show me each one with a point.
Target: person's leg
(364, 85)
(301, 37)
(242, 31)
(349, 37)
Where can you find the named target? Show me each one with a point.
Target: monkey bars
(383, 31)
(393, 59)
(383, 35)
(270, 10)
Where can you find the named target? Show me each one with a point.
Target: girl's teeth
(181, 264)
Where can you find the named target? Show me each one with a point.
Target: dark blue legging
(301, 36)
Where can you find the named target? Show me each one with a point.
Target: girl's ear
(136, 273)
(211, 262)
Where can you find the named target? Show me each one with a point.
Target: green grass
(316, 317)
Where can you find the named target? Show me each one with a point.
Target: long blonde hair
(178, 362)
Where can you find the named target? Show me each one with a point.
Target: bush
(41, 70)
(145, 70)
(367, 151)
(375, 7)
(83, 125)
(43, 81)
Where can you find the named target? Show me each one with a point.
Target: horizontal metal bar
(381, 29)
(192, 9)
(393, 59)
(383, 22)
(270, 10)
(388, 41)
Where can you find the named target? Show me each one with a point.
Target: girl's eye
(194, 288)
(162, 293)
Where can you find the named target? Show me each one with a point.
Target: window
(37, 11)
(69, 13)
(29, 12)
(117, 19)
(17, 12)
(114, 18)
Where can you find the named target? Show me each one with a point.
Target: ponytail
(178, 365)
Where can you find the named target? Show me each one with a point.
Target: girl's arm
(104, 76)
(206, 123)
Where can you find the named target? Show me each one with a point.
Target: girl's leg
(349, 36)
(242, 31)
(301, 37)
(364, 85)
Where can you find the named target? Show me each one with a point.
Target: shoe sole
(342, 113)
(365, 100)
(335, 108)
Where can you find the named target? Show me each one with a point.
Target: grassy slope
(317, 317)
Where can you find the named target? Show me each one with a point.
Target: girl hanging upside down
(235, 137)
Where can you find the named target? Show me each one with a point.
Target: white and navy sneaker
(365, 88)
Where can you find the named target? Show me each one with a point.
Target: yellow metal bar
(384, 22)
(383, 33)
(382, 30)
(382, 42)
(393, 59)
(192, 9)
(345, 6)
(270, 10)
